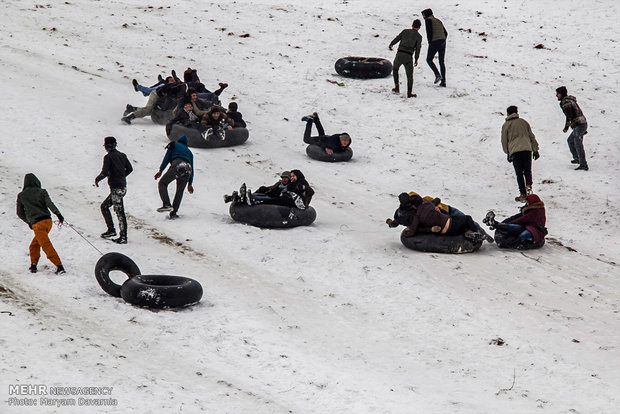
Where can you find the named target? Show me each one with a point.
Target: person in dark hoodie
(33, 207)
(235, 115)
(410, 44)
(428, 215)
(436, 35)
(577, 121)
(116, 167)
(330, 143)
(181, 161)
(529, 223)
(300, 185)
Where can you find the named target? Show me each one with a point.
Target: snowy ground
(337, 317)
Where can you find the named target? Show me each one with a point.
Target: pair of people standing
(410, 44)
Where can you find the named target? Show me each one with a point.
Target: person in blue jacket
(181, 161)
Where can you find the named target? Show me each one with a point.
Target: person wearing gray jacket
(520, 145)
(410, 44)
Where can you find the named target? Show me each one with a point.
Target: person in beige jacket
(520, 145)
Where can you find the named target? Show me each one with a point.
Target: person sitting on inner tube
(429, 215)
(235, 115)
(301, 186)
(330, 143)
(529, 224)
(284, 193)
(215, 121)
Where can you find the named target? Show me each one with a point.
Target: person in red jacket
(529, 224)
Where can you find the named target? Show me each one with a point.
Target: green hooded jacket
(33, 203)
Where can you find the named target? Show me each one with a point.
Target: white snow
(337, 317)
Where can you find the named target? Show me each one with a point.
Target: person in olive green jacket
(436, 35)
(33, 207)
(410, 44)
(519, 143)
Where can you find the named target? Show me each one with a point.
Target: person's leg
(510, 228)
(162, 186)
(116, 196)
(395, 67)
(519, 164)
(34, 248)
(409, 71)
(432, 51)
(319, 126)
(146, 91)
(148, 108)
(441, 49)
(41, 230)
(178, 196)
(580, 131)
(526, 236)
(461, 224)
(208, 96)
(571, 145)
(308, 131)
(527, 171)
(105, 211)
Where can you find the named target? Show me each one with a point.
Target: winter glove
(61, 218)
(509, 158)
(535, 155)
(391, 223)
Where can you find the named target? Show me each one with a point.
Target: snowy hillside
(336, 317)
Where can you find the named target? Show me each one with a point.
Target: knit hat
(286, 174)
(512, 109)
(533, 198)
(562, 91)
(405, 200)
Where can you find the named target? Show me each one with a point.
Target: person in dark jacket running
(33, 207)
(330, 143)
(410, 44)
(578, 122)
(181, 161)
(116, 167)
(436, 35)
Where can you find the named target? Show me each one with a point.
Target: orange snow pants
(42, 241)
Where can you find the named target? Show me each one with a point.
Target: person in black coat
(330, 143)
(235, 115)
(300, 186)
(116, 167)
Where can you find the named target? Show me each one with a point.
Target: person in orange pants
(33, 207)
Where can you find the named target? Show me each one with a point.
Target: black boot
(135, 85)
(108, 234)
(33, 268)
(127, 119)
(121, 240)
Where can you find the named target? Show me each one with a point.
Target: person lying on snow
(428, 215)
(529, 224)
(235, 115)
(330, 143)
(146, 90)
(403, 215)
(291, 191)
(191, 79)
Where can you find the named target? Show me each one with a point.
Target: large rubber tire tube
(317, 153)
(271, 215)
(161, 291)
(110, 262)
(440, 243)
(363, 68)
(236, 136)
(506, 241)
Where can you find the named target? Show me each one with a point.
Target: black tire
(161, 117)
(271, 215)
(506, 241)
(236, 136)
(363, 68)
(317, 153)
(161, 291)
(440, 243)
(110, 262)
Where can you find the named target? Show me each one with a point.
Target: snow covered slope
(337, 317)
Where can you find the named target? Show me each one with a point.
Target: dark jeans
(313, 140)
(115, 200)
(178, 171)
(406, 60)
(437, 47)
(516, 229)
(461, 224)
(575, 143)
(279, 200)
(522, 162)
